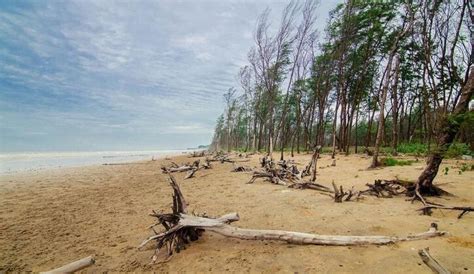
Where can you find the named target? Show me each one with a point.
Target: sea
(33, 161)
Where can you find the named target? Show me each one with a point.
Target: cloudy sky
(120, 75)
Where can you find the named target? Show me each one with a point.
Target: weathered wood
(241, 169)
(181, 228)
(432, 262)
(176, 169)
(464, 209)
(311, 185)
(338, 193)
(74, 266)
(191, 173)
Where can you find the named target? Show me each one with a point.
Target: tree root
(180, 229)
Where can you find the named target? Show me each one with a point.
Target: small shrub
(457, 150)
(390, 161)
(412, 148)
(446, 170)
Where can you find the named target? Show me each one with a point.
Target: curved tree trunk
(450, 127)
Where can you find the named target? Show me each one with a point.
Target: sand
(52, 217)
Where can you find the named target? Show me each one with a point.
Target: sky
(121, 75)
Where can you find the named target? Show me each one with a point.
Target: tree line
(382, 73)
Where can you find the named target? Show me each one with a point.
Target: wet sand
(52, 217)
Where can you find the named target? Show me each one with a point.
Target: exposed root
(427, 209)
(181, 228)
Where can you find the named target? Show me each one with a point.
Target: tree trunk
(380, 131)
(334, 126)
(449, 128)
(395, 108)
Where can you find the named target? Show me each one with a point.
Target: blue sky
(120, 75)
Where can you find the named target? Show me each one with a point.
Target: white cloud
(137, 69)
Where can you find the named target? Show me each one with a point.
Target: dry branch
(432, 262)
(191, 173)
(390, 188)
(464, 209)
(181, 228)
(386, 188)
(74, 266)
(241, 169)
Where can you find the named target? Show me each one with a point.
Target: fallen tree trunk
(181, 228)
(306, 238)
(176, 169)
(74, 266)
(431, 262)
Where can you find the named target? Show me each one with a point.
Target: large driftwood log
(181, 228)
(73, 267)
(432, 262)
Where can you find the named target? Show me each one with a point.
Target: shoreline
(60, 160)
(51, 218)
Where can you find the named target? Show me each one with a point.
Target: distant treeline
(383, 73)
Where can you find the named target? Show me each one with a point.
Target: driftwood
(207, 165)
(270, 176)
(307, 170)
(180, 228)
(185, 167)
(74, 266)
(286, 174)
(191, 173)
(223, 158)
(267, 163)
(391, 188)
(464, 209)
(432, 262)
(241, 169)
(386, 188)
(201, 153)
(339, 194)
(311, 185)
(176, 169)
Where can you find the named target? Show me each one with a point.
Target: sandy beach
(51, 217)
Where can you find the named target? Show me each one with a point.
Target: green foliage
(390, 161)
(457, 150)
(412, 148)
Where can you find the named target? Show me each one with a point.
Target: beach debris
(339, 193)
(174, 167)
(285, 173)
(313, 186)
(241, 169)
(392, 188)
(386, 188)
(427, 209)
(181, 228)
(225, 158)
(199, 153)
(73, 267)
(191, 173)
(190, 168)
(432, 262)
